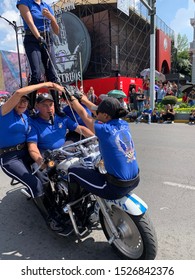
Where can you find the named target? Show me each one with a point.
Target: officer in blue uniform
(71, 135)
(38, 19)
(48, 130)
(14, 157)
(116, 147)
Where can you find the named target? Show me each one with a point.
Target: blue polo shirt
(13, 129)
(48, 136)
(42, 23)
(148, 111)
(69, 113)
(117, 148)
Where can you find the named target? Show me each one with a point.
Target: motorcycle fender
(130, 203)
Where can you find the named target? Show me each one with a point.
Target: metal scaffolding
(120, 44)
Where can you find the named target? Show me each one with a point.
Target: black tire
(137, 240)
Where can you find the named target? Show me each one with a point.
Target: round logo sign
(72, 48)
(165, 43)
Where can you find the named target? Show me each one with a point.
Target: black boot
(57, 103)
(32, 97)
(75, 192)
(52, 223)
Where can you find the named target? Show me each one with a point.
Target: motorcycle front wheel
(137, 239)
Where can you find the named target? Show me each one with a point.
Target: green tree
(181, 57)
(182, 43)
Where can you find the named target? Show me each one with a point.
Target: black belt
(12, 148)
(42, 33)
(122, 183)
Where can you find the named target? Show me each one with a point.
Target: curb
(181, 121)
(175, 121)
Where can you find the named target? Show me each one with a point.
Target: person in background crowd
(123, 103)
(91, 95)
(192, 117)
(38, 19)
(145, 115)
(191, 98)
(169, 115)
(161, 92)
(140, 98)
(132, 115)
(169, 92)
(156, 87)
(155, 116)
(174, 89)
(81, 90)
(146, 89)
(185, 97)
(132, 98)
(15, 159)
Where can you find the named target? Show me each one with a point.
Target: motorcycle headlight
(51, 164)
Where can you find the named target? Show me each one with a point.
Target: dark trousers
(94, 182)
(168, 117)
(39, 60)
(17, 165)
(191, 118)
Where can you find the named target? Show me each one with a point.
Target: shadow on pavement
(25, 236)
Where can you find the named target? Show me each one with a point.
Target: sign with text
(72, 48)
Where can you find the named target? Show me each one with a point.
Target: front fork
(130, 203)
(105, 211)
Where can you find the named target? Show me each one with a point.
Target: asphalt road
(166, 157)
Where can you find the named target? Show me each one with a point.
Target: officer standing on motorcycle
(15, 159)
(116, 147)
(39, 24)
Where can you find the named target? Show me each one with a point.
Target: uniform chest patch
(125, 145)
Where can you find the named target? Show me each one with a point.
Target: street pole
(152, 14)
(14, 25)
(151, 6)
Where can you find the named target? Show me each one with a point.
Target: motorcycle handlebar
(83, 141)
(67, 153)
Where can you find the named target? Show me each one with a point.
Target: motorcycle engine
(62, 189)
(65, 164)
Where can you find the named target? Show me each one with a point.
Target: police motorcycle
(124, 221)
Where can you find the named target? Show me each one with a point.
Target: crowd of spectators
(138, 102)
(161, 113)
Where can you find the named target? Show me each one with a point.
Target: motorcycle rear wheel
(137, 240)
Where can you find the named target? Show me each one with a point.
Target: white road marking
(180, 185)
(164, 208)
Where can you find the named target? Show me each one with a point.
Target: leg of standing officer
(33, 52)
(49, 62)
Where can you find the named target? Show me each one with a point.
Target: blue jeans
(192, 102)
(140, 106)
